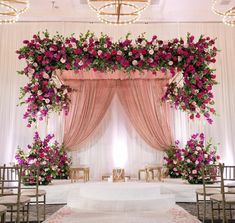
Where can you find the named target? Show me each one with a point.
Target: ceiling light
(118, 11)
(227, 14)
(10, 10)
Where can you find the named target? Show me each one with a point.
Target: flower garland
(188, 61)
(51, 158)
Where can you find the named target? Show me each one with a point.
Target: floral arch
(187, 62)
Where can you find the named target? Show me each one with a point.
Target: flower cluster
(189, 58)
(50, 157)
(187, 162)
(195, 155)
(173, 160)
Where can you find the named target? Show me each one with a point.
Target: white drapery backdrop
(14, 132)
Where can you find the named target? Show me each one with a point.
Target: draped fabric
(141, 99)
(89, 103)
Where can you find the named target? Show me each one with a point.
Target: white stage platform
(58, 191)
(124, 197)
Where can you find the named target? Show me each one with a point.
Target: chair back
(30, 177)
(118, 175)
(10, 178)
(228, 180)
(211, 178)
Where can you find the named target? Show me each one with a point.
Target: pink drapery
(141, 98)
(89, 104)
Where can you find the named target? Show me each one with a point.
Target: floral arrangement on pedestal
(187, 61)
(173, 160)
(196, 154)
(49, 156)
(189, 160)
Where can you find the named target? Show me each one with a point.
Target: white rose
(80, 63)
(85, 49)
(74, 45)
(39, 92)
(42, 51)
(151, 52)
(47, 101)
(154, 43)
(197, 162)
(179, 58)
(130, 53)
(150, 60)
(198, 148)
(35, 64)
(196, 152)
(134, 62)
(206, 155)
(141, 57)
(143, 43)
(170, 63)
(62, 60)
(45, 75)
(99, 52)
(174, 162)
(119, 52)
(125, 48)
(186, 45)
(175, 169)
(188, 161)
(194, 172)
(31, 71)
(105, 46)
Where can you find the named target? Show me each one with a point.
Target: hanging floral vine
(188, 62)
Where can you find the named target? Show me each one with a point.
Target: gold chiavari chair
(3, 211)
(10, 195)
(210, 178)
(226, 198)
(30, 178)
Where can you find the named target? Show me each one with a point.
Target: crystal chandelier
(10, 10)
(118, 11)
(228, 14)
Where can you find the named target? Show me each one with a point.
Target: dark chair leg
(197, 204)
(44, 207)
(212, 212)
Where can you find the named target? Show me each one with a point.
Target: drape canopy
(140, 96)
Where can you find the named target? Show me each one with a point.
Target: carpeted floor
(190, 207)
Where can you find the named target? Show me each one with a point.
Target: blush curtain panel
(89, 103)
(141, 100)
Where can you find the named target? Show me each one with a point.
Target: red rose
(39, 58)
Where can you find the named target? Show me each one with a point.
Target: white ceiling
(158, 11)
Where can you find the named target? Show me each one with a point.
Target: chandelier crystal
(227, 14)
(118, 11)
(10, 10)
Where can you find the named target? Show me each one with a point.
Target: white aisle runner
(70, 215)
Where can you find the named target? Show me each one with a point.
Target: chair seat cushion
(33, 192)
(3, 209)
(209, 191)
(229, 198)
(12, 200)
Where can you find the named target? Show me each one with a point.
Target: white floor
(58, 191)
